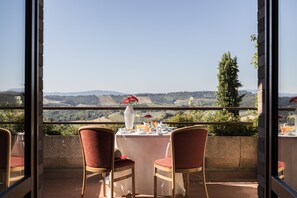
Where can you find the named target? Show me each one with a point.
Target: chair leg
(83, 189)
(133, 182)
(155, 182)
(6, 181)
(104, 184)
(173, 184)
(187, 184)
(204, 183)
(111, 175)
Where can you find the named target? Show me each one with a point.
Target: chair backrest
(97, 146)
(188, 147)
(5, 149)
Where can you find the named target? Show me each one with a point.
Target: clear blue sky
(12, 42)
(287, 47)
(137, 46)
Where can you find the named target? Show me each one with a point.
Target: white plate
(171, 128)
(121, 132)
(141, 132)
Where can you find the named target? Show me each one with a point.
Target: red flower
(148, 116)
(294, 99)
(130, 99)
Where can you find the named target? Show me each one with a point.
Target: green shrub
(232, 129)
(71, 129)
(13, 115)
(181, 117)
(60, 129)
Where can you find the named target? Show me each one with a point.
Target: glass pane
(12, 53)
(287, 155)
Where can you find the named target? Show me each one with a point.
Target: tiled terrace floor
(66, 183)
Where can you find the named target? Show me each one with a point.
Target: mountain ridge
(117, 93)
(85, 93)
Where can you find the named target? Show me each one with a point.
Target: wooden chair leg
(133, 182)
(83, 189)
(187, 184)
(111, 175)
(155, 182)
(6, 181)
(204, 183)
(173, 184)
(104, 184)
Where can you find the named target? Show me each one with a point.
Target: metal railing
(173, 108)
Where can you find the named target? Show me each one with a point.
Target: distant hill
(198, 98)
(111, 98)
(9, 98)
(287, 94)
(85, 93)
(21, 90)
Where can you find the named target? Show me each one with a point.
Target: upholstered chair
(188, 155)
(11, 167)
(98, 157)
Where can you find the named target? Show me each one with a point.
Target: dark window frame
(27, 187)
(276, 187)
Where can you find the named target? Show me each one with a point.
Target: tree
(254, 60)
(227, 93)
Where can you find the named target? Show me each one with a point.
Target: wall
(62, 152)
(39, 72)
(261, 99)
(230, 153)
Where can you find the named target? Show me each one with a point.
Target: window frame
(276, 187)
(27, 187)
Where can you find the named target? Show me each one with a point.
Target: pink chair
(188, 155)
(98, 157)
(281, 170)
(9, 164)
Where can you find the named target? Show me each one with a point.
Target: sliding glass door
(287, 138)
(282, 97)
(18, 95)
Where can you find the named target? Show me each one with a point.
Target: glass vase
(129, 116)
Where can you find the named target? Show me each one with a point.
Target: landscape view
(205, 98)
(113, 99)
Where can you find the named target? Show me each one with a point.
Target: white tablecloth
(18, 145)
(144, 149)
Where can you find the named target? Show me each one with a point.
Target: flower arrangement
(129, 114)
(147, 127)
(154, 123)
(130, 100)
(294, 100)
(148, 116)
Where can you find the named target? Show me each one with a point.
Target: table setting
(147, 129)
(287, 131)
(144, 142)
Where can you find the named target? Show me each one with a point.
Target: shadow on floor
(66, 183)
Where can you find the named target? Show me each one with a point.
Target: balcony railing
(288, 109)
(139, 108)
